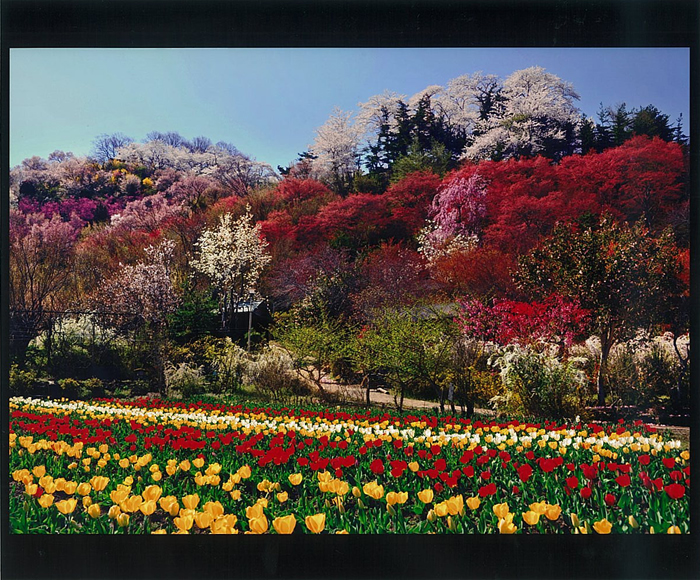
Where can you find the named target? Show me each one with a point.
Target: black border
(378, 23)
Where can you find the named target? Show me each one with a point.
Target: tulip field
(160, 467)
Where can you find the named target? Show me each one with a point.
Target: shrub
(21, 381)
(272, 375)
(227, 361)
(540, 384)
(184, 380)
(70, 388)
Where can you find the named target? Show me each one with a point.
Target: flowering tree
(232, 256)
(459, 206)
(336, 148)
(144, 289)
(538, 116)
(140, 298)
(40, 266)
(620, 273)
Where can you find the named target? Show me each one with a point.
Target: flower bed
(154, 466)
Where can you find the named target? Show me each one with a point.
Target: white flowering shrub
(271, 373)
(434, 243)
(540, 384)
(184, 380)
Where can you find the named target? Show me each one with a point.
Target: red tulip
(524, 472)
(623, 480)
(610, 499)
(675, 490)
(572, 482)
(586, 492)
(377, 467)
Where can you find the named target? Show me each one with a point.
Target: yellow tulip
(282, 497)
(245, 472)
(124, 463)
(553, 512)
(441, 509)
(114, 512)
(506, 525)
(413, 466)
(356, 492)
(262, 501)
(501, 510)
(316, 523)
(673, 530)
(191, 501)
(185, 465)
(183, 523)
(258, 525)
(539, 507)
(184, 512)
(87, 501)
(236, 494)
(203, 520)
(70, 487)
(46, 500)
(198, 462)
(131, 504)
(426, 496)
(84, 488)
(473, 503)
(99, 482)
(67, 506)
(455, 505)
(123, 520)
(128, 480)
(214, 508)
(392, 498)
(94, 511)
(324, 476)
(285, 524)
(432, 516)
(633, 522)
(602, 527)
(156, 476)
(152, 493)
(30, 488)
(254, 511)
(159, 532)
(264, 486)
(531, 518)
(39, 471)
(148, 507)
(170, 469)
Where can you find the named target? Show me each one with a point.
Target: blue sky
(268, 102)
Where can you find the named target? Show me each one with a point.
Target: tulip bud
(390, 509)
(451, 524)
(114, 512)
(356, 492)
(123, 520)
(633, 522)
(575, 521)
(361, 504)
(432, 516)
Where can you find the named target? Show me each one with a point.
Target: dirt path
(380, 398)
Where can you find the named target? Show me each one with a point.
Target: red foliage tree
(409, 201)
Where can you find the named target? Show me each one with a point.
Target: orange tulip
(501, 510)
(254, 511)
(99, 482)
(183, 523)
(553, 512)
